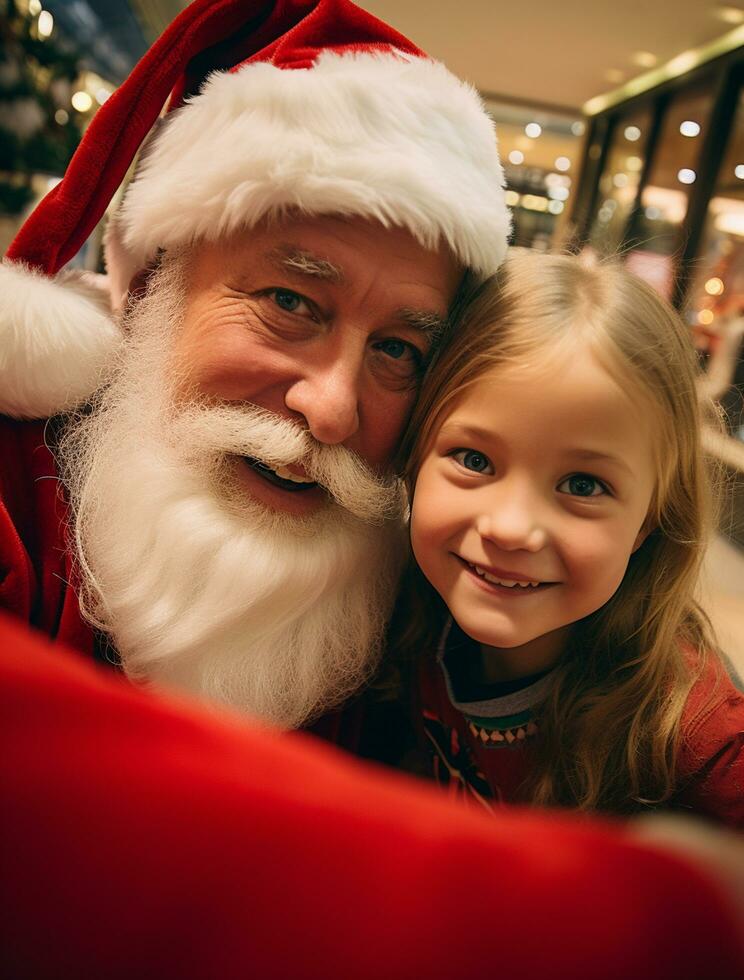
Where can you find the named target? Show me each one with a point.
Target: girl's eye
(582, 485)
(291, 302)
(471, 459)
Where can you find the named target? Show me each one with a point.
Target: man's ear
(139, 283)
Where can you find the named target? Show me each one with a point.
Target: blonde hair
(611, 725)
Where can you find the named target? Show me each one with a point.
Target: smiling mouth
(517, 585)
(281, 476)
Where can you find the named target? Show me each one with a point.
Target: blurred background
(621, 129)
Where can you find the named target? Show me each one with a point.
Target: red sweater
(483, 748)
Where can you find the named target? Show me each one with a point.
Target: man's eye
(471, 459)
(397, 362)
(398, 350)
(290, 302)
(582, 485)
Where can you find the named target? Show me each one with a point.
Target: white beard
(198, 586)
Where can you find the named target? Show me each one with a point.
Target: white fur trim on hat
(56, 339)
(390, 137)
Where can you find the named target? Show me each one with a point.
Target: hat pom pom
(57, 337)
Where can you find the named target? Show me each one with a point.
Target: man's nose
(513, 520)
(328, 400)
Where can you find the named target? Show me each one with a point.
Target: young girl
(560, 510)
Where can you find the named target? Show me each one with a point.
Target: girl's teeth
(509, 583)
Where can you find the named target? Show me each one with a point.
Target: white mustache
(204, 429)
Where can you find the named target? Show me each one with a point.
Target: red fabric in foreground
(147, 838)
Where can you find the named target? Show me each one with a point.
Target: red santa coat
(143, 837)
(35, 565)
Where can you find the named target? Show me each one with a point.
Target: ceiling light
(705, 317)
(34, 7)
(632, 133)
(732, 40)
(686, 176)
(730, 15)
(645, 59)
(533, 130)
(562, 163)
(620, 180)
(682, 63)
(689, 128)
(516, 157)
(714, 286)
(555, 207)
(739, 171)
(634, 164)
(577, 128)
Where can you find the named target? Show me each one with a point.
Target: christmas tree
(39, 131)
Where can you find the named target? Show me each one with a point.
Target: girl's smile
(530, 501)
(508, 583)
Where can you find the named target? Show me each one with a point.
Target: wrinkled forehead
(342, 235)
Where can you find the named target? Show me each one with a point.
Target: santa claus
(225, 415)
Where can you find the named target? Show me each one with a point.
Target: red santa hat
(311, 105)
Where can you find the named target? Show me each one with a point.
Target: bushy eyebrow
(427, 322)
(296, 260)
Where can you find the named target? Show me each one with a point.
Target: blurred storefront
(541, 150)
(663, 185)
(663, 182)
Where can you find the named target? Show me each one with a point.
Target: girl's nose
(513, 527)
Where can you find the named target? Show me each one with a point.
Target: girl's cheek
(427, 528)
(421, 530)
(596, 555)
